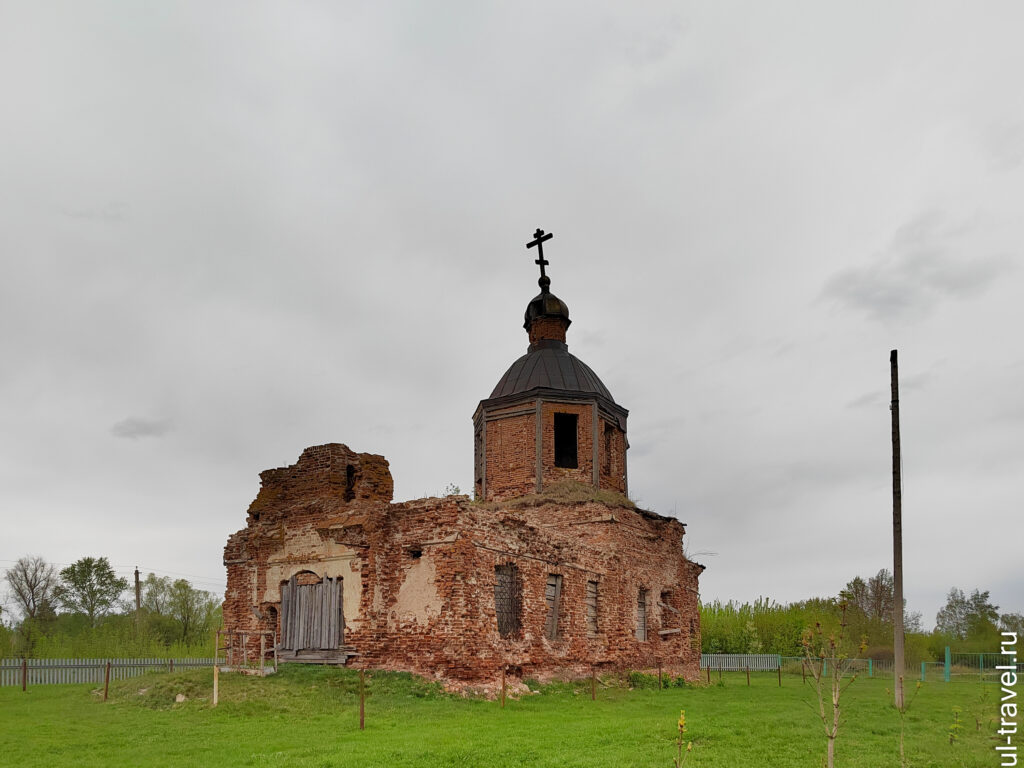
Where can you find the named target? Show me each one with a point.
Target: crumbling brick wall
(506, 448)
(419, 576)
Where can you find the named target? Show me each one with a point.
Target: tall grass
(112, 639)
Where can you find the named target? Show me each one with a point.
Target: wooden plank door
(312, 616)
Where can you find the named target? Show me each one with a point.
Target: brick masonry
(547, 328)
(418, 577)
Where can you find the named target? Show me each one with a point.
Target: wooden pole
(593, 683)
(708, 668)
(172, 666)
(216, 682)
(503, 686)
(275, 650)
(138, 599)
(24, 675)
(106, 681)
(897, 537)
(263, 650)
(362, 701)
(780, 674)
(748, 677)
(803, 670)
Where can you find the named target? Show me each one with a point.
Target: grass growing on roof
(562, 492)
(308, 717)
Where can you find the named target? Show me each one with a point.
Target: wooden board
(312, 617)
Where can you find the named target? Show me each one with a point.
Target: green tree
(175, 610)
(90, 587)
(963, 617)
(191, 608)
(873, 598)
(31, 581)
(1012, 622)
(155, 591)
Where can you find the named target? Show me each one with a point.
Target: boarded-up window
(591, 609)
(508, 603)
(641, 615)
(565, 440)
(553, 597)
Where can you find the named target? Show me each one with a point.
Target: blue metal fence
(956, 666)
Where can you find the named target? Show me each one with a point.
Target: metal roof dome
(549, 365)
(546, 304)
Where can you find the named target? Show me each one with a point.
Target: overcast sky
(229, 231)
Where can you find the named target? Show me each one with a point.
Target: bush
(640, 680)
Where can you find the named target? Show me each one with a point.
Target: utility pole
(897, 538)
(138, 599)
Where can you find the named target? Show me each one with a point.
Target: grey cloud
(917, 382)
(134, 428)
(297, 226)
(1005, 143)
(866, 400)
(921, 268)
(114, 211)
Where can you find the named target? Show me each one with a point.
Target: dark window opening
(553, 597)
(641, 615)
(416, 554)
(350, 482)
(591, 609)
(508, 600)
(565, 440)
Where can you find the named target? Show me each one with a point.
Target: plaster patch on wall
(418, 600)
(352, 593)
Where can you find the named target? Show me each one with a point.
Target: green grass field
(308, 716)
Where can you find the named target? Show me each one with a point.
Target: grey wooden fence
(755, 662)
(71, 671)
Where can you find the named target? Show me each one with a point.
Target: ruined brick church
(550, 569)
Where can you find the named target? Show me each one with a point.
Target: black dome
(549, 365)
(546, 304)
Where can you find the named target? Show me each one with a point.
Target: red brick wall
(511, 451)
(419, 579)
(510, 455)
(613, 462)
(548, 328)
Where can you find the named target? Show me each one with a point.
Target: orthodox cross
(539, 238)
